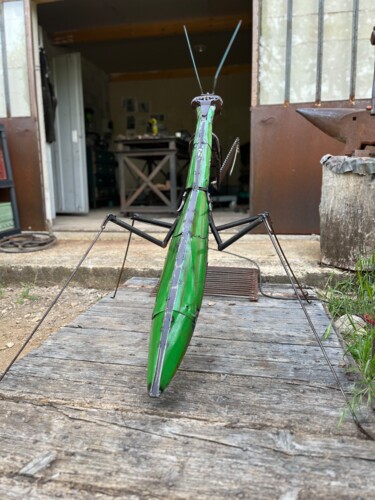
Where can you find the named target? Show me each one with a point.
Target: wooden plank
(211, 24)
(37, 464)
(166, 74)
(21, 487)
(114, 453)
(262, 320)
(249, 357)
(229, 399)
(240, 328)
(40, 2)
(250, 413)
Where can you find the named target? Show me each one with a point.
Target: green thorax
(199, 171)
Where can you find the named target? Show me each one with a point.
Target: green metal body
(182, 282)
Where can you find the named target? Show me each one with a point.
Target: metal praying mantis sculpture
(181, 288)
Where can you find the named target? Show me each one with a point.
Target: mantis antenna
(192, 58)
(222, 59)
(225, 55)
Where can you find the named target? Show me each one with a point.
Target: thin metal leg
(170, 226)
(123, 263)
(250, 223)
(282, 257)
(294, 283)
(154, 222)
(287, 269)
(16, 356)
(109, 218)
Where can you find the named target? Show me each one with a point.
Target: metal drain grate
(229, 281)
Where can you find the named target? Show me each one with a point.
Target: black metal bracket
(132, 229)
(252, 222)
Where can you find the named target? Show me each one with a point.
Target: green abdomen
(180, 293)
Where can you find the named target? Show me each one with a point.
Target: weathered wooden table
(150, 161)
(252, 413)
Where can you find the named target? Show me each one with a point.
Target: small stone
(9, 344)
(347, 325)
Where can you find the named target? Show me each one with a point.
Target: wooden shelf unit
(101, 173)
(9, 218)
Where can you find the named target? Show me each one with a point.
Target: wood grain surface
(252, 413)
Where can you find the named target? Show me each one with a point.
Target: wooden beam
(150, 30)
(177, 73)
(39, 2)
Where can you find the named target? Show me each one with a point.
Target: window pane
(272, 46)
(304, 51)
(16, 58)
(366, 51)
(337, 50)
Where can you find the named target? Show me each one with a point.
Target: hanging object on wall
(49, 98)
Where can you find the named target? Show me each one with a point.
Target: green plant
(355, 295)
(25, 294)
(366, 279)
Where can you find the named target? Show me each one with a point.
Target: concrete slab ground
(100, 269)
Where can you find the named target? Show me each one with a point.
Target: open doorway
(135, 71)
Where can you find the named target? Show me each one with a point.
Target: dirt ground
(22, 307)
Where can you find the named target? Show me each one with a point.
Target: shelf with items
(9, 219)
(101, 174)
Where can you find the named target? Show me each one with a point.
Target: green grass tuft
(355, 295)
(25, 294)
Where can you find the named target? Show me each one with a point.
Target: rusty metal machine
(354, 127)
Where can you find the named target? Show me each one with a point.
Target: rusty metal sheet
(230, 282)
(285, 167)
(24, 156)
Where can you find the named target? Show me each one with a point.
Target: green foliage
(355, 295)
(25, 294)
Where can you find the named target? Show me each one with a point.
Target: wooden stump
(347, 211)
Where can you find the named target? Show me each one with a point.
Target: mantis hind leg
(53, 303)
(109, 218)
(132, 229)
(249, 224)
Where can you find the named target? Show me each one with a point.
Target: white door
(70, 170)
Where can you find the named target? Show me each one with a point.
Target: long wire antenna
(192, 58)
(225, 55)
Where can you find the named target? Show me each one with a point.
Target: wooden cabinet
(9, 220)
(101, 175)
